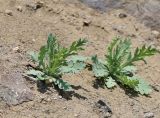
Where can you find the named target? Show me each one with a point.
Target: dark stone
(103, 109)
(35, 6)
(122, 15)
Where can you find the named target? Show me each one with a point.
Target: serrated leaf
(73, 67)
(63, 85)
(117, 54)
(41, 56)
(131, 82)
(76, 58)
(99, 68)
(110, 83)
(77, 46)
(143, 87)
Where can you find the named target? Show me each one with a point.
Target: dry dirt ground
(24, 26)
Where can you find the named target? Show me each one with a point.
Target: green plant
(53, 61)
(119, 65)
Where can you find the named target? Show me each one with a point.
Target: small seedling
(53, 61)
(119, 67)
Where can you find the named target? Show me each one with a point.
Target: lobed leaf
(63, 85)
(34, 72)
(77, 58)
(143, 87)
(99, 68)
(110, 82)
(73, 67)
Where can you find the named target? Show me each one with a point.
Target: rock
(35, 6)
(13, 89)
(122, 15)
(119, 28)
(34, 40)
(103, 109)
(86, 22)
(76, 115)
(48, 100)
(156, 87)
(16, 49)
(19, 8)
(156, 34)
(9, 12)
(60, 97)
(54, 98)
(148, 115)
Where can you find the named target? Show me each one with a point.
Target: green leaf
(140, 54)
(143, 52)
(73, 67)
(118, 52)
(129, 69)
(41, 56)
(110, 83)
(40, 77)
(34, 56)
(63, 85)
(77, 46)
(34, 72)
(99, 68)
(77, 58)
(131, 82)
(143, 87)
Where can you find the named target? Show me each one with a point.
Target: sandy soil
(25, 26)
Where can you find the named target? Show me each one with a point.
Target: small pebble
(33, 40)
(76, 115)
(60, 97)
(9, 12)
(16, 49)
(122, 15)
(64, 107)
(19, 8)
(156, 88)
(149, 115)
(48, 100)
(86, 22)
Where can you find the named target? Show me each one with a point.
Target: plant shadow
(43, 88)
(98, 83)
(69, 94)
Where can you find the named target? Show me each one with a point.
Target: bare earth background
(24, 26)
